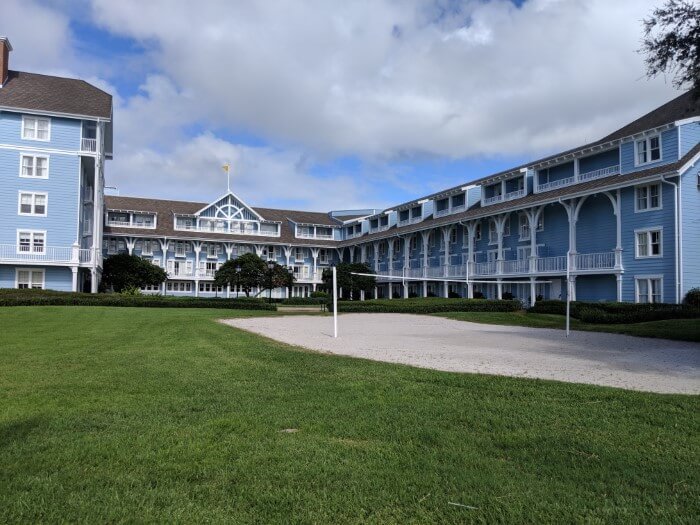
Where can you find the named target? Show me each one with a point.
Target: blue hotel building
(620, 216)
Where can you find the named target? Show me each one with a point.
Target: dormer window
(648, 150)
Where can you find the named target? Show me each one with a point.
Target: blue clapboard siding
(632, 221)
(61, 222)
(55, 277)
(596, 288)
(669, 152)
(226, 202)
(690, 198)
(7, 276)
(598, 161)
(690, 136)
(596, 227)
(555, 236)
(65, 133)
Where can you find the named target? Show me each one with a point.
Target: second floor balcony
(578, 178)
(51, 255)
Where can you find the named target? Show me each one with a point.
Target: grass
(678, 329)
(121, 414)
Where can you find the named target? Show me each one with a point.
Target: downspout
(678, 236)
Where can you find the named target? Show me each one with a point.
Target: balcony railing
(412, 220)
(88, 145)
(48, 254)
(581, 177)
(582, 262)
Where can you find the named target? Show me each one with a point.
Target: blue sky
(326, 105)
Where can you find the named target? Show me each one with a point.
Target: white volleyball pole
(335, 303)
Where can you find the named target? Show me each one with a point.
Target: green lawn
(136, 414)
(679, 329)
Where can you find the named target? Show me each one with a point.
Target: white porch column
(130, 244)
(533, 217)
(197, 249)
(362, 295)
(533, 291)
(619, 287)
(471, 234)
(229, 250)
(314, 256)
(500, 228)
(390, 244)
(425, 237)
(74, 284)
(499, 289)
(164, 261)
(406, 254)
(615, 200)
(375, 253)
(446, 266)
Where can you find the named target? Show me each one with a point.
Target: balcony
(88, 145)
(51, 255)
(412, 220)
(580, 263)
(581, 177)
(511, 195)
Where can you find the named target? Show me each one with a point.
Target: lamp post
(270, 267)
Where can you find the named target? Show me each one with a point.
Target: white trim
(31, 272)
(33, 194)
(36, 118)
(648, 197)
(40, 150)
(22, 156)
(688, 120)
(649, 278)
(659, 229)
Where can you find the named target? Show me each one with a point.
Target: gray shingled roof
(166, 210)
(69, 96)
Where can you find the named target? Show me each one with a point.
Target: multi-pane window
(649, 290)
(648, 150)
(179, 286)
(648, 243)
(212, 250)
(493, 232)
(32, 203)
(524, 227)
(648, 197)
(477, 232)
(299, 254)
(30, 278)
(34, 166)
(414, 243)
(31, 242)
(148, 246)
(323, 256)
(181, 248)
(35, 128)
(453, 236)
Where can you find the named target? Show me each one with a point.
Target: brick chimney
(5, 48)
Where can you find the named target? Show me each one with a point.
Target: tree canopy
(352, 285)
(672, 43)
(249, 271)
(124, 271)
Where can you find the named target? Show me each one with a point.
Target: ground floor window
(179, 286)
(151, 288)
(210, 288)
(30, 278)
(649, 289)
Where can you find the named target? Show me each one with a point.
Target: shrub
(479, 295)
(454, 295)
(428, 305)
(131, 290)
(302, 301)
(692, 298)
(507, 296)
(431, 294)
(319, 294)
(412, 295)
(617, 313)
(13, 297)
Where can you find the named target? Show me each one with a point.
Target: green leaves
(125, 271)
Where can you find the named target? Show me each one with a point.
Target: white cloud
(382, 78)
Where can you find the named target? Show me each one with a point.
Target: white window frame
(36, 120)
(648, 232)
(647, 150)
(648, 187)
(22, 156)
(32, 233)
(453, 236)
(524, 224)
(648, 279)
(31, 271)
(149, 243)
(34, 195)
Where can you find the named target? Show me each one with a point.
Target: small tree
(672, 43)
(123, 271)
(246, 271)
(353, 284)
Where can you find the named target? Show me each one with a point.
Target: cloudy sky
(324, 104)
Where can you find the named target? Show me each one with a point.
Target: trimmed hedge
(304, 301)
(11, 297)
(617, 313)
(427, 306)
